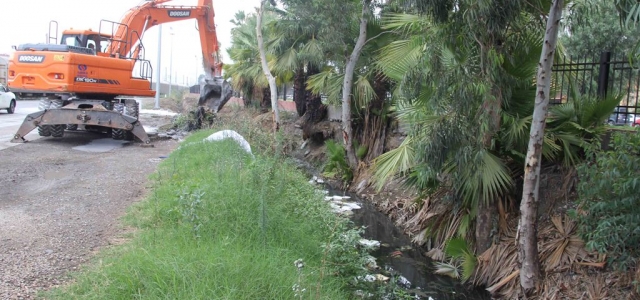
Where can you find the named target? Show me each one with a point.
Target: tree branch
(376, 36)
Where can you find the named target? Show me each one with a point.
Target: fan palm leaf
(395, 161)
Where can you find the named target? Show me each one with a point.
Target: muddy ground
(59, 205)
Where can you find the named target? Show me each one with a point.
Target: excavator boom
(214, 92)
(139, 19)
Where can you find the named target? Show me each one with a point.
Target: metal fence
(607, 75)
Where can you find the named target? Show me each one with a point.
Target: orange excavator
(91, 77)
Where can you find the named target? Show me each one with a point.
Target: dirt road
(60, 202)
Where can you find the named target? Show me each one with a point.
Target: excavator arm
(139, 19)
(214, 92)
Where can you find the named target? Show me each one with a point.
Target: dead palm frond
(447, 269)
(498, 268)
(561, 246)
(596, 290)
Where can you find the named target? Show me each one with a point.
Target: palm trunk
(315, 110)
(352, 60)
(527, 231)
(371, 131)
(247, 95)
(266, 100)
(265, 68)
(299, 92)
(486, 222)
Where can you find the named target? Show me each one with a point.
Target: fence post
(603, 76)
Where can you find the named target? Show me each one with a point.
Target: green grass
(219, 225)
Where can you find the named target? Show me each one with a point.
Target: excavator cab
(86, 39)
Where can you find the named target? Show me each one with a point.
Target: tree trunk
(299, 91)
(315, 110)
(265, 102)
(265, 68)
(247, 95)
(284, 92)
(485, 225)
(352, 60)
(527, 230)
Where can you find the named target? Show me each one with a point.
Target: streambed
(398, 255)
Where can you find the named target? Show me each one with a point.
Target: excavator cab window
(73, 40)
(93, 40)
(104, 45)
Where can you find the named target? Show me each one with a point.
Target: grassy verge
(221, 225)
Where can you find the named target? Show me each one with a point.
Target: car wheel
(12, 107)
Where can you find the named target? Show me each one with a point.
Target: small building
(4, 68)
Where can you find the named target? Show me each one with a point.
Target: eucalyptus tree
(265, 66)
(343, 33)
(246, 70)
(322, 42)
(370, 116)
(528, 228)
(468, 119)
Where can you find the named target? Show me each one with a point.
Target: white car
(7, 99)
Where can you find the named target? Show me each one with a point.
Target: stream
(399, 254)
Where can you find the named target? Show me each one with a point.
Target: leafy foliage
(596, 27)
(443, 96)
(609, 192)
(345, 256)
(337, 165)
(575, 124)
(459, 251)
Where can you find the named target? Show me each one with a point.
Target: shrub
(337, 165)
(609, 198)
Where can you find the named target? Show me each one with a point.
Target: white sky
(27, 21)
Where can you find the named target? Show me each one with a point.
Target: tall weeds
(220, 224)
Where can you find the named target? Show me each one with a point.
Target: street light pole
(157, 106)
(196, 73)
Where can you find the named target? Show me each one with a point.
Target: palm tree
(245, 72)
(442, 98)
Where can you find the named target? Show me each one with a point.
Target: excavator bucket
(214, 93)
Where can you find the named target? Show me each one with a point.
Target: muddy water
(397, 253)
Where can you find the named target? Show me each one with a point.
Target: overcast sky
(27, 21)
